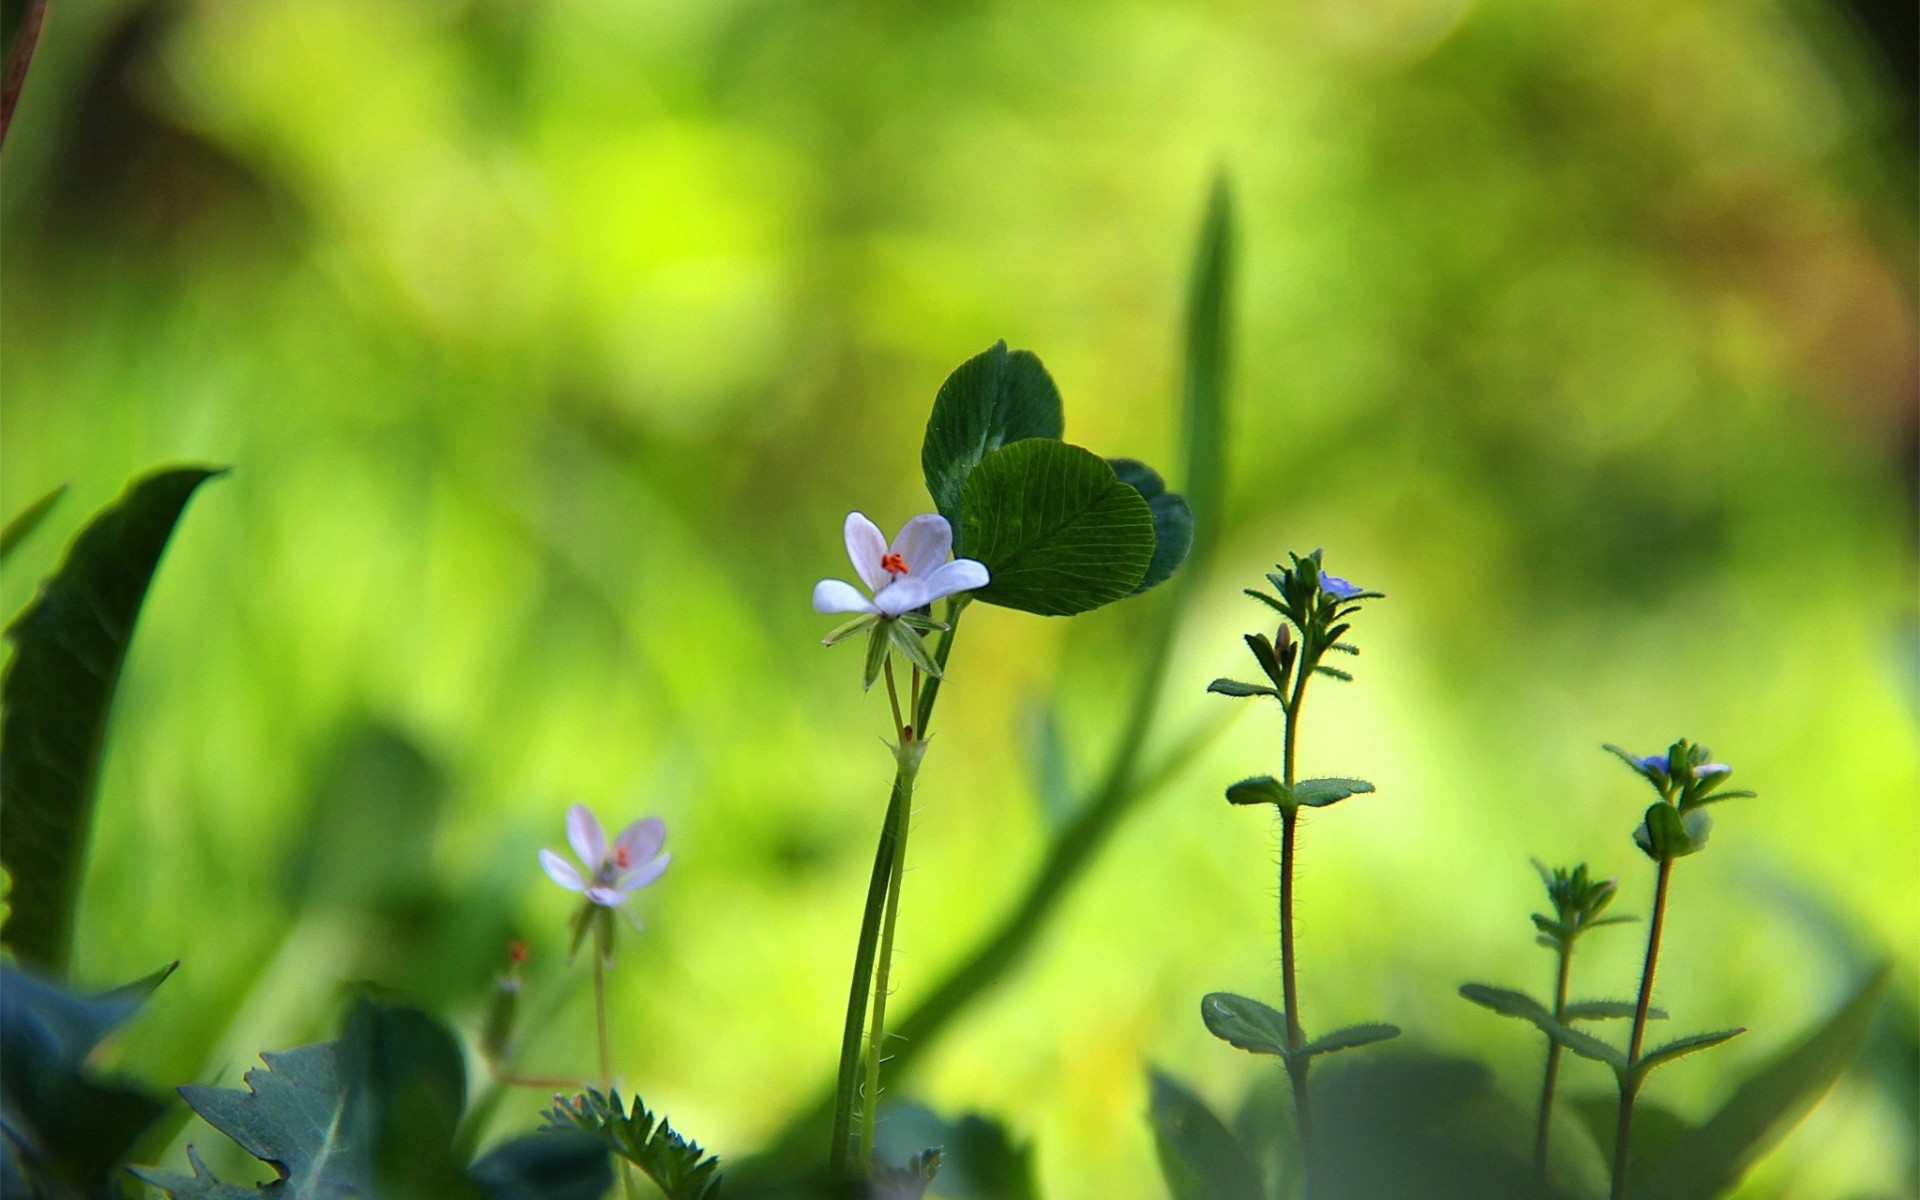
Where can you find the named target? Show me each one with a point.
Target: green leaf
(1172, 520)
(1056, 528)
(994, 399)
(1261, 789)
(1711, 1159)
(22, 526)
(57, 692)
(877, 643)
(1350, 1037)
(1660, 1056)
(72, 1127)
(1584, 1044)
(1200, 1159)
(680, 1168)
(292, 1115)
(912, 648)
(1318, 793)
(1506, 1002)
(557, 1164)
(1333, 673)
(1233, 687)
(1245, 1023)
(1208, 361)
(1607, 1010)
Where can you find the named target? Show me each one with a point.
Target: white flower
(613, 872)
(910, 574)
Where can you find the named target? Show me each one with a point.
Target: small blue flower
(1654, 764)
(1338, 588)
(1711, 770)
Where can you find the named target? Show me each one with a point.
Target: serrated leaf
(72, 1125)
(994, 399)
(1200, 1159)
(680, 1168)
(1233, 687)
(1350, 1037)
(1710, 1159)
(1245, 1023)
(1261, 789)
(1506, 1002)
(1057, 530)
(1607, 1010)
(57, 692)
(1208, 360)
(292, 1115)
(1318, 793)
(1660, 1056)
(1172, 520)
(28, 520)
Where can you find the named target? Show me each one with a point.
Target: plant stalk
(877, 1030)
(1629, 1082)
(1552, 1075)
(1290, 998)
(879, 885)
(600, 1025)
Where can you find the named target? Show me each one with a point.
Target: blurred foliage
(550, 341)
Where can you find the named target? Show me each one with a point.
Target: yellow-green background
(550, 341)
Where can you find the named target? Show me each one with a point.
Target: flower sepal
(1666, 833)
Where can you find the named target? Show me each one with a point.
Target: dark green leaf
(1350, 1037)
(68, 649)
(1200, 1158)
(1261, 789)
(558, 1164)
(680, 1168)
(1655, 1129)
(1334, 673)
(1233, 687)
(1318, 793)
(1245, 1022)
(1506, 1002)
(1710, 1160)
(1056, 528)
(1660, 1056)
(22, 526)
(72, 1127)
(1172, 520)
(1605, 1010)
(293, 1115)
(1208, 359)
(1267, 657)
(994, 399)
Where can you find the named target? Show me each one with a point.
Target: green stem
(1541, 1130)
(877, 1030)
(846, 1085)
(1629, 1080)
(603, 942)
(1290, 998)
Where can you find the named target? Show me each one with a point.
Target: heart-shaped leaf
(1057, 530)
(995, 398)
(58, 690)
(1245, 1022)
(1172, 519)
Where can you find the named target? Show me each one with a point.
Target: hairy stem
(1553, 1063)
(1290, 998)
(877, 1030)
(1629, 1084)
(879, 884)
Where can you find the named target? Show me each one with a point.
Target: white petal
(644, 874)
(902, 596)
(561, 871)
(924, 542)
(960, 575)
(641, 840)
(837, 596)
(606, 897)
(589, 841)
(866, 545)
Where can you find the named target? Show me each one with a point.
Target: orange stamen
(893, 564)
(621, 857)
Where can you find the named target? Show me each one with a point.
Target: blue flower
(1339, 588)
(1711, 770)
(1655, 764)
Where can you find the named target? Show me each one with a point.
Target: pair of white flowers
(910, 573)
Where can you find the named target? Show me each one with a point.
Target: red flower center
(621, 858)
(893, 564)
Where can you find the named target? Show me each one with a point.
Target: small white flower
(613, 872)
(912, 573)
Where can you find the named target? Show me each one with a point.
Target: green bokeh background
(550, 341)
